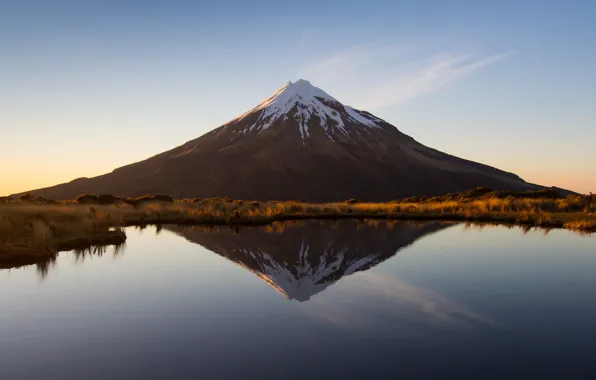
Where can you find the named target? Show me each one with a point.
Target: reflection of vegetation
(43, 267)
(81, 254)
(38, 226)
(524, 228)
(44, 264)
(279, 227)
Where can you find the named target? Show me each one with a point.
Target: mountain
(309, 256)
(299, 144)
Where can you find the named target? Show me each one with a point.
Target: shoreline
(36, 230)
(25, 257)
(505, 220)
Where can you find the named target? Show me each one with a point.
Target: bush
(86, 199)
(26, 197)
(293, 207)
(210, 200)
(477, 192)
(547, 193)
(483, 193)
(149, 198)
(415, 199)
(235, 215)
(163, 198)
(108, 199)
(500, 194)
(45, 200)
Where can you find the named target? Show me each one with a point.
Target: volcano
(299, 144)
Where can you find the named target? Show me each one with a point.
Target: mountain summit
(303, 144)
(303, 102)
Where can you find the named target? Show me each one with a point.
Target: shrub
(499, 194)
(26, 197)
(87, 199)
(415, 199)
(149, 198)
(139, 200)
(546, 193)
(235, 215)
(108, 199)
(163, 198)
(209, 200)
(44, 200)
(477, 192)
(293, 207)
(411, 209)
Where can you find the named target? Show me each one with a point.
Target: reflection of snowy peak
(305, 260)
(302, 279)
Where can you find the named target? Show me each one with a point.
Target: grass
(34, 227)
(28, 231)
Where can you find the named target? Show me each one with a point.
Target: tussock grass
(40, 229)
(38, 226)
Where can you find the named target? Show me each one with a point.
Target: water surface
(307, 300)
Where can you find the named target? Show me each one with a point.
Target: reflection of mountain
(306, 258)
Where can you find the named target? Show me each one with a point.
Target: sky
(88, 86)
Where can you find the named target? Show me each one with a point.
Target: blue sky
(87, 86)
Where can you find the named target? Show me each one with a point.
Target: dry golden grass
(41, 229)
(48, 227)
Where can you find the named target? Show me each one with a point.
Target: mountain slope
(301, 144)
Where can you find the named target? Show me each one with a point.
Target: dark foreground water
(311, 301)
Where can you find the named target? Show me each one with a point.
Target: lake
(307, 300)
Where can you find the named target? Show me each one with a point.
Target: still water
(307, 301)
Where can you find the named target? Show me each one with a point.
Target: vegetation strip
(35, 226)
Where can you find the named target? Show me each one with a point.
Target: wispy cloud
(375, 76)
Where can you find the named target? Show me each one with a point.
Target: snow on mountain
(302, 101)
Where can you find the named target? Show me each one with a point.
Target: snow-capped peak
(301, 100)
(304, 90)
